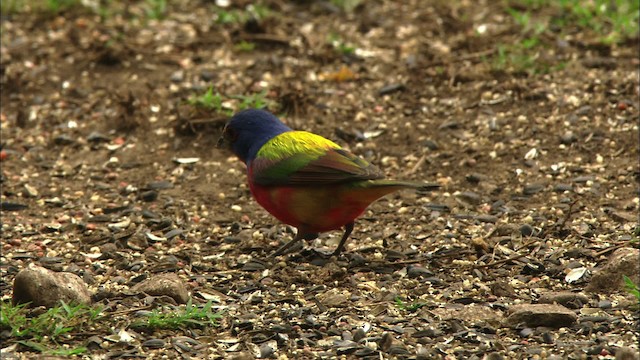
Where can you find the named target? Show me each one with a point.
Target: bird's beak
(221, 143)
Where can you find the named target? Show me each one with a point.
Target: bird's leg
(347, 231)
(301, 235)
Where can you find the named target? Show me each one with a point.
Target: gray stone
(164, 285)
(502, 288)
(474, 314)
(533, 315)
(333, 299)
(565, 298)
(609, 279)
(568, 138)
(43, 287)
(626, 353)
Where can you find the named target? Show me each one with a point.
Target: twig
(416, 166)
(515, 257)
(568, 215)
(531, 240)
(407, 262)
(129, 311)
(265, 37)
(609, 249)
(463, 57)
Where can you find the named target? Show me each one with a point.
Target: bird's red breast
(320, 208)
(316, 209)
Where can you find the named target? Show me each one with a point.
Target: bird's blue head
(248, 130)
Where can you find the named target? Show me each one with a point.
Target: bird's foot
(287, 249)
(294, 244)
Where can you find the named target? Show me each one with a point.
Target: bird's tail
(369, 190)
(420, 186)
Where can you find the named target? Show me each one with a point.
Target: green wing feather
(303, 158)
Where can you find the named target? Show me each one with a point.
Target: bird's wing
(302, 158)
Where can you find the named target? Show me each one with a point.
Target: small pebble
(207, 75)
(153, 344)
(487, 218)
(148, 196)
(547, 338)
(386, 341)
(390, 89)
(30, 191)
(526, 230)
(177, 76)
(267, 350)
(160, 185)
(418, 271)
(568, 138)
(359, 334)
(562, 187)
(531, 189)
(63, 140)
(431, 145)
(96, 137)
(526, 332)
(605, 304)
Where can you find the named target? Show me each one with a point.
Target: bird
(303, 179)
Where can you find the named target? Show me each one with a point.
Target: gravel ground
(110, 173)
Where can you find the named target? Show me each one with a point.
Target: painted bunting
(303, 179)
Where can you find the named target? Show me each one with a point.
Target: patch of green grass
(340, 45)
(151, 9)
(524, 57)
(347, 5)
(209, 101)
(44, 6)
(58, 330)
(216, 102)
(631, 287)
(188, 316)
(57, 6)
(237, 16)
(245, 46)
(55, 351)
(102, 8)
(45, 332)
(524, 20)
(524, 54)
(413, 307)
(613, 20)
(12, 317)
(11, 6)
(542, 21)
(258, 11)
(228, 16)
(253, 101)
(155, 9)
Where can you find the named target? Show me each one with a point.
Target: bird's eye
(230, 134)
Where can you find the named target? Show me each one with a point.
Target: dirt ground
(538, 167)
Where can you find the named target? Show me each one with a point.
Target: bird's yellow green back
(295, 142)
(303, 158)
